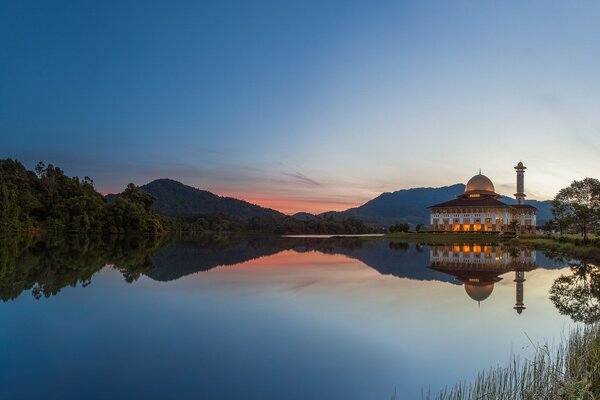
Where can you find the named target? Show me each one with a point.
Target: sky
(305, 105)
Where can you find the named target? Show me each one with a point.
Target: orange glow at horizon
(286, 205)
(290, 205)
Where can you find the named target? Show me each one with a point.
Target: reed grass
(570, 371)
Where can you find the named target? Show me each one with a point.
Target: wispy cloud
(300, 177)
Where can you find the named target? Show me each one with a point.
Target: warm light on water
(347, 321)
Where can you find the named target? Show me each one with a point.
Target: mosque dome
(479, 292)
(480, 183)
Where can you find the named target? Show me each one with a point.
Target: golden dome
(480, 182)
(479, 292)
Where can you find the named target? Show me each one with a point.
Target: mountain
(175, 198)
(407, 205)
(410, 205)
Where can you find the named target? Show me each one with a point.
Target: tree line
(576, 209)
(46, 200)
(269, 224)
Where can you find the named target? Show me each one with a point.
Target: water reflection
(44, 268)
(578, 294)
(479, 267)
(227, 316)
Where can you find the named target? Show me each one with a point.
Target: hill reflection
(44, 268)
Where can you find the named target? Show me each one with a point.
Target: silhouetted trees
(273, 225)
(578, 205)
(45, 199)
(402, 227)
(49, 200)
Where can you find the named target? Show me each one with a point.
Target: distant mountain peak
(178, 199)
(410, 205)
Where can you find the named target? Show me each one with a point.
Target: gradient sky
(306, 105)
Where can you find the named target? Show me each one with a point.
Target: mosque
(479, 208)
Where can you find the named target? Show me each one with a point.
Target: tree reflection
(45, 267)
(578, 295)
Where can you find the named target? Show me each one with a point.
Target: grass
(571, 371)
(561, 246)
(443, 238)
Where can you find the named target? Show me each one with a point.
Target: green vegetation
(46, 200)
(564, 246)
(280, 226)
(577, 207)
(571, 371)
(402, 227)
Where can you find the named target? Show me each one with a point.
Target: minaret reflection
(519, 279)
(479, 267)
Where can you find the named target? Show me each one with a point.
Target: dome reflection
(479, 267)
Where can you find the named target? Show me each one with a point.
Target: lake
(266, 318)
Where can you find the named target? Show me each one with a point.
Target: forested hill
(410, 205)
(47, 200)
(177, 199)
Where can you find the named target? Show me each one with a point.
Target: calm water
(270, 318)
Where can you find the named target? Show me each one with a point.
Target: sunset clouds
(307, 107)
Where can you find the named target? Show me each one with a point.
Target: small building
(480, 209)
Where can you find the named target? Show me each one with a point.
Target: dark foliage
(47, 199)
(281, 226)
(399, 228)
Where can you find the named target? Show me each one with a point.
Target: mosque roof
(480, 192)
(523, 206)
(472, 202)
(480, 182)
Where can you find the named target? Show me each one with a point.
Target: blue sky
(307, 105)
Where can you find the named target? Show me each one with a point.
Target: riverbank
(571, 370)
(567, 246)
(564, 246)
(444, 238)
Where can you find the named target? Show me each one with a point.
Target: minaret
(519, 279)
(520, 195)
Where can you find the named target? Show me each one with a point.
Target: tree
(562, 216)
(514, 225)
(550, 226)
(49, 200)
(419, 227)
(579, 203)
(402, 227)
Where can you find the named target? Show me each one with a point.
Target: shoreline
(565, 245)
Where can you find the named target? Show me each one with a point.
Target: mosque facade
(480, 209)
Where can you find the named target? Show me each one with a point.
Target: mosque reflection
(479, 267)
